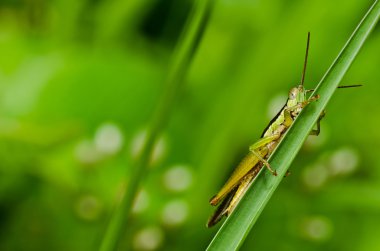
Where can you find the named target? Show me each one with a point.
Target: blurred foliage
(80, 80)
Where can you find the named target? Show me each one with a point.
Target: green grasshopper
(236, 186)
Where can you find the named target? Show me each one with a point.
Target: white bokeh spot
(178, 178)
(175, 213)
(317, 228)
(149, 238)
(344, 161)
(108, 139)
(159, 148)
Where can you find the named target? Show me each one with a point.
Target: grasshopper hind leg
(255, 150)
(267, 165)
(316, 132)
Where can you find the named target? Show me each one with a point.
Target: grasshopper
(247, 170)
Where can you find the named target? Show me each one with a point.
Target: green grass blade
(182, 57)
(237, 226)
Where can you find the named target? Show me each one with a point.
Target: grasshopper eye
(293, 93)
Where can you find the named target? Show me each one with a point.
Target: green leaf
(237, 226)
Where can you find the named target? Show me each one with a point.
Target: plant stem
(182, 57)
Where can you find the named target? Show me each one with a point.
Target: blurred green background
(80, 80)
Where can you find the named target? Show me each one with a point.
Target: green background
(80, 80)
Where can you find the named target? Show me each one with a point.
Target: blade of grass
(237, 226)
(182, 57)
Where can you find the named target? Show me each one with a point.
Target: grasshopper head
(296, 95)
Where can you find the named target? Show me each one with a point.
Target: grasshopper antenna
(339, 87)
(348, 86)
(306, 56)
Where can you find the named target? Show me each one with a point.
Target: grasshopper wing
(233, 198)
(244, 167)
